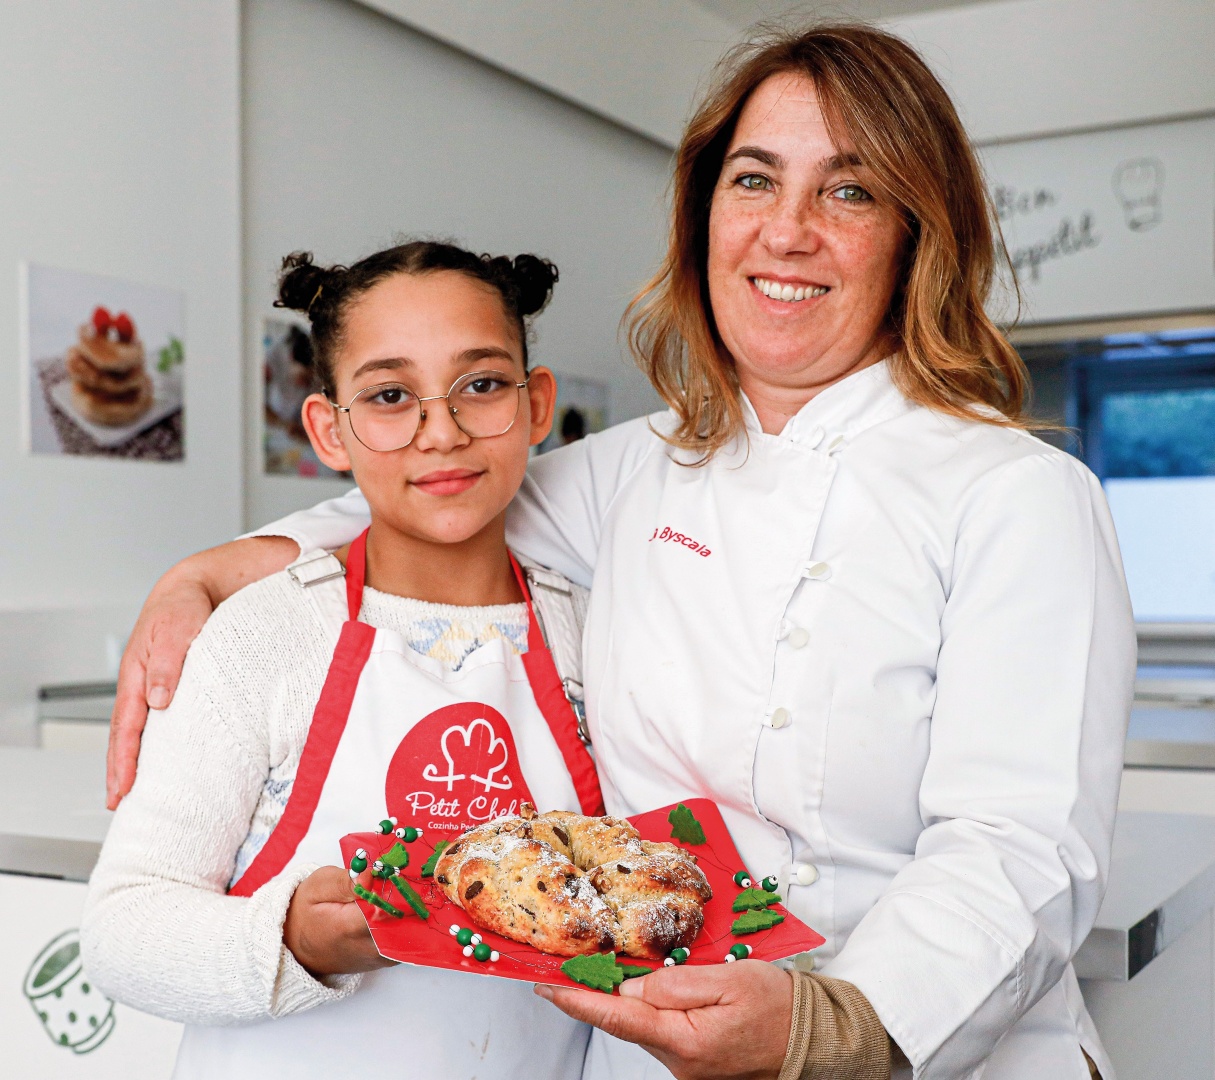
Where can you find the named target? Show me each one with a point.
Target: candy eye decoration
(678, 956)
(742, 880)
(769, 884)
(737, 952)
(472, 945)
(358, 862)
(387, 825)
(407, 833)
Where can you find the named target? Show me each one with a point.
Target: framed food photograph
(288, 379)
(104, 366)
(582, 409)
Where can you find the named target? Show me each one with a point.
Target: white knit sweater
(215, 769)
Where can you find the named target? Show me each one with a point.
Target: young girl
(294, 715)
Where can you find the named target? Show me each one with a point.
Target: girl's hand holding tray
(743, 919)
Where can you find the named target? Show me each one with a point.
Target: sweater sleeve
(159, 932)
(1034, 684)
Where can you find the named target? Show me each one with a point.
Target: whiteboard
(1109, 223)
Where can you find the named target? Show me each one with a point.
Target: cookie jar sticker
(456, 768)
(74, 1013)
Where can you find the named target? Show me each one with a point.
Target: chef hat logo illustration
(1139, 185)
(74, 1013)
(489, 752)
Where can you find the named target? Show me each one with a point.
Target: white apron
(389, 717)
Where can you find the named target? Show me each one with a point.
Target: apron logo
(669, 536)
(445, 773)
(497, 747)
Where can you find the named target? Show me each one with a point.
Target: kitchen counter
(1171, 736)
(1162, 883)
(52, 812)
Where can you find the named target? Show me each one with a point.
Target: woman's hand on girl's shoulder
(325, 929)
(729, 1020)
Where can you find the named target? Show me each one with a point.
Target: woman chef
(837, 588)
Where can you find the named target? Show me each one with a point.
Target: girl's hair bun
(534, 281)
(301, 282)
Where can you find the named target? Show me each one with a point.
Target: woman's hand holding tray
(430, 942)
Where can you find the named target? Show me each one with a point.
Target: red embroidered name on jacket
(669, 536)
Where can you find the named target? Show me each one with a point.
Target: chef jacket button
(779, 718)
(835, 444)
(818, 571)
(798, 637)
(805, 873)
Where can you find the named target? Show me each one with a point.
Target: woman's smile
(787, 291)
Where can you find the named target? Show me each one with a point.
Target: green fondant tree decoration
(634, 971)
(684, 826)
(751, 921)
(428, 867)
(755, 900)
(396, 856)
(598, 971)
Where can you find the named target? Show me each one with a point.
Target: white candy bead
(468, 950)
(730, 958)
(476, 939)
(668, 962)
(454, 929)
(494, 957)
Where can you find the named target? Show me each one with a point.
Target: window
(1140, 406)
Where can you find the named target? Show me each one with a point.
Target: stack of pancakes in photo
(109, 383)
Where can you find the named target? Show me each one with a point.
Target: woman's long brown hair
(877, 93)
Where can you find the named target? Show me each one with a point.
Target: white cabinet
(53, 1021)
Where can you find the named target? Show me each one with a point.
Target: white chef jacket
(896, 648)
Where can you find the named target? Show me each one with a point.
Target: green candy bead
(464, 936)
(387, 825)
(742, 879)
(481, 952)
(769, 884)
(679, 955)
(411, 834)
(358, 864)
(740, 951)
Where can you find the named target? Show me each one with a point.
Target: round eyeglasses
(387, 416)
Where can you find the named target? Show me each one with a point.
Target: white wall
(1033, 67)
(119, 128)
(636, 61)
(119, 125)
(358, 128)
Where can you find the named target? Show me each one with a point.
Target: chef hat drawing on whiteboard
(1139, 184)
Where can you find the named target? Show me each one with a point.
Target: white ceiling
(742, 13)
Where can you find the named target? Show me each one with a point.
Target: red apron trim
(550, 696)
(328, 723)
(356, 574)
(333, 709)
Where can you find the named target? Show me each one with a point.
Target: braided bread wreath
(571, 885)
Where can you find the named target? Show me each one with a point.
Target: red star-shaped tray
(429, 942)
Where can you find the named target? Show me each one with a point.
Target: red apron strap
(550, 697)
(356, 574)
(324, 734)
